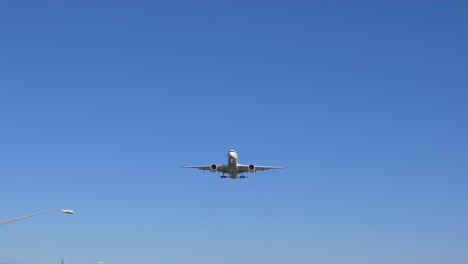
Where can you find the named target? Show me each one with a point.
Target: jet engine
(251, 168)
(213, 167)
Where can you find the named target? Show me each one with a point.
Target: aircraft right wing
(253, 168)
(212, 168)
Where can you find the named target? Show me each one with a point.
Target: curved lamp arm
(66, 211)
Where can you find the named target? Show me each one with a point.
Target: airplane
(232, 168)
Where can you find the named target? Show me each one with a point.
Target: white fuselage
(232, 164)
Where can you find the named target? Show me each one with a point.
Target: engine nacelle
(251, 168)
(213, 167)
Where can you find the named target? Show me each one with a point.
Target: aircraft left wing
(204, 167)
(253, 168)
(212, 168)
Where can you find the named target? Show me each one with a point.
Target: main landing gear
(240, 177)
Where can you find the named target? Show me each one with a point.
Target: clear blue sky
(365, 102)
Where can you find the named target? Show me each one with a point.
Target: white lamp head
(68, 211)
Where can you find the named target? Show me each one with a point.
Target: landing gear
(243, 177)
(223, 177)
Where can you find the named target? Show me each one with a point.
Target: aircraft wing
(218, 168)
(245, 168)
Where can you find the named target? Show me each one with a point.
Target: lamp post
(65, 211)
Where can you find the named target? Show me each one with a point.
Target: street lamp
(65, 211)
